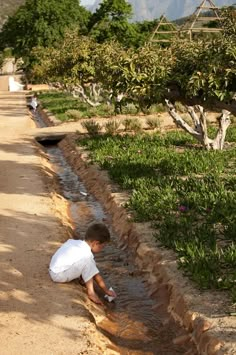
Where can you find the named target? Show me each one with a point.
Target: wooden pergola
(199, 19)
(206, 12)
(163, 28)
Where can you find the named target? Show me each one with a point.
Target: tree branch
(200, 125)
(195, 119)
(207, 142)
(79, 89)
(181, 123)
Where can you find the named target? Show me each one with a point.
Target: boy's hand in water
(111, 293)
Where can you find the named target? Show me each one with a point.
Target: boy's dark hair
(99, 232)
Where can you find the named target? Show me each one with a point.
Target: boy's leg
(91, 293)
(81, 281)
(68, 275)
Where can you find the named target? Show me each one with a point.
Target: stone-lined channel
(135, 323)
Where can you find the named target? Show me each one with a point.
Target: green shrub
(92, 127)
(74, 114)
(186, 117)
(127, 124)
(111, 126)
(136, 125)
(157, 108)
(180, 107)
(233, 119)
(129, 109)
(153, 123)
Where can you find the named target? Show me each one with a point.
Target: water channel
(133, 323)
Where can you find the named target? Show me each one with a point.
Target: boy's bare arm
(99, 280)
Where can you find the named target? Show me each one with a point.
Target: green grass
(186, 192)
(61, 105)
(66, 108)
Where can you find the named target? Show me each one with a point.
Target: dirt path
(36, 315)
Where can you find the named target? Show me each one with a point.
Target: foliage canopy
(41, 22)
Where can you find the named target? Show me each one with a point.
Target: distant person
(34, 102)
(74, 259)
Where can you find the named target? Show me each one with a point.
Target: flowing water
(133, 324)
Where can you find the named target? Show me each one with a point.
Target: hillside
(173, 9)
(143, 9)
(7, 8)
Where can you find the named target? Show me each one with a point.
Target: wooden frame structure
(159, 30)
(195, 24)
(197, 20)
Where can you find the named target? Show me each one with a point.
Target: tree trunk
(80, 90)
(224, 122)
(199, 131)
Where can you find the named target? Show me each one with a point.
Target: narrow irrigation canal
(134, 323)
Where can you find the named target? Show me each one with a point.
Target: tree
(229, 22)
(71, 62)
(41, 23)
(139, 75)
(112, 9)
(69, 66)
(144, 30)
(110, 22)
(205, 69)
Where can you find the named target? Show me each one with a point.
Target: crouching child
(74, 259)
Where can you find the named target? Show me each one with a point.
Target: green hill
(172, 9)
(7, 8)
(143, 9)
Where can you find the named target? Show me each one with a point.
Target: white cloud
(87, 2)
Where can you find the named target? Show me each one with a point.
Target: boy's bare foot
(95, 299)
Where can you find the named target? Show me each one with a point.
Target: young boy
(75, 259)
(34, 103)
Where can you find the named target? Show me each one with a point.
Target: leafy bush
(157, 108)
(73, 114)
(129, 109)
(135, 125)
(111, 126)
(153, 123)
(127, 124)
(92, 127)
(180, 107)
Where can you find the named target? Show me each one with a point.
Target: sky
(87, 2)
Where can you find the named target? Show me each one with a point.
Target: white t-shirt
(74, 255)
(34, 103)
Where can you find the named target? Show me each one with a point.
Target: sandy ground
(36, 315)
